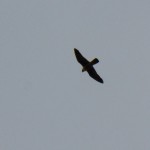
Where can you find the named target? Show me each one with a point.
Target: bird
(88, 66)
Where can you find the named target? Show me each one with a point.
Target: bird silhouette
(88, 66)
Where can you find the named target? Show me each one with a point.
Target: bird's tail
(94, 61)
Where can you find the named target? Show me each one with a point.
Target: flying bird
(88, 66)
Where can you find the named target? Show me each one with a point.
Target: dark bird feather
(83, 61)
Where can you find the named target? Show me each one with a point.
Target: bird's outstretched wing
(83, 61)
(92, 72)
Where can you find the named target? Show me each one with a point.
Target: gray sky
(46, 102)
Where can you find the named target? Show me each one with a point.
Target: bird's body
(88, 66)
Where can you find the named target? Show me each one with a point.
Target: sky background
(46, 102)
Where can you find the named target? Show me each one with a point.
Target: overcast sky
(46, 102)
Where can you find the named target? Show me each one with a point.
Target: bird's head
(83, 69)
